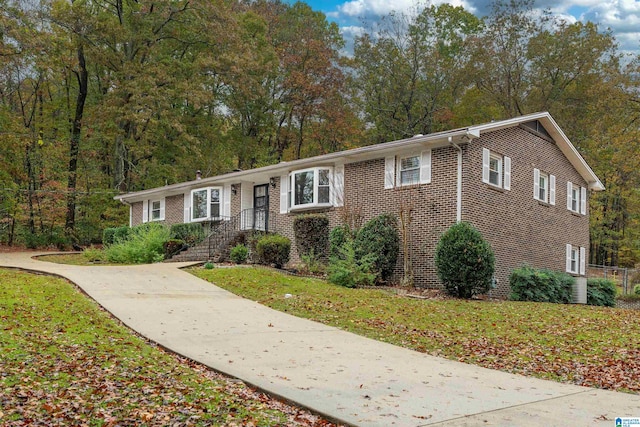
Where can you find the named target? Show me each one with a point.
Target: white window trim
(504, 169)
(393, 164)
(581, 201)
(208, 192)
(580, 261)
(316, 181)
(550, 188)
(161, 209)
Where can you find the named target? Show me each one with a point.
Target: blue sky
(621, 16)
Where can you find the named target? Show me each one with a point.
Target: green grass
(66, 362)
(72, 259)
(591, 346)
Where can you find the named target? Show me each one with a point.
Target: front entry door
(261, 207)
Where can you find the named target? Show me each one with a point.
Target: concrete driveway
(347, 378)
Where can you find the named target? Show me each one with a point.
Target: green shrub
(464, 261)
(636, 289)
(540, 285)
(144, 244)
(601, 292)
(348, 270)
(93, 254)
(122, 233)
(172, 247)
(108, 235)
(273, 249)
(208, 265)
(311, 233)
(379, 237)
(337, 237)
(192, 233)
(239, 254)
(312, 264)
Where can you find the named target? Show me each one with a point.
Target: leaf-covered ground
(65, 362)
(590, 346)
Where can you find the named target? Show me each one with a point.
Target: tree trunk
(74, 145)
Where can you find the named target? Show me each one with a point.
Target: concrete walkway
(346, 377)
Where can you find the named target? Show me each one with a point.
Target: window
(544, 187)
(576, 260)
(496, 169)
(576, 198)
(206, 204)
(153, 210)
(411, 169)
(310, 188)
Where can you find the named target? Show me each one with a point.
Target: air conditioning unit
(579, 291)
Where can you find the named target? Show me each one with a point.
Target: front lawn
(585, 345)
(63, 362)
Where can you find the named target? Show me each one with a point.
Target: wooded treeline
(104, 96)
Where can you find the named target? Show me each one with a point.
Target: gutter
(124, 202)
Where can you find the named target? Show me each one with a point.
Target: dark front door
(261, 207)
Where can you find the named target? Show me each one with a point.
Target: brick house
(519, 181)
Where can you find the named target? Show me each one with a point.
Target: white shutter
(568, 264)
(486, 154)
(162, 205)
(389, 171)
(536, 184)
(226, 201)
(552, 189)
(583, 261)
(507, 173)
(583, 200)
(186, 202)
(145, 211)
(338, 186)
(425, 167)
(569, 188)
(284, 194)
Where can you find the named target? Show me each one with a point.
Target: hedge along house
(519, 181)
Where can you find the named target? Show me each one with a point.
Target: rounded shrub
(464, 261)
(540, 285)
(239, 254)
(601, 292)
(379, 237)
(273, 249)
(636, 289)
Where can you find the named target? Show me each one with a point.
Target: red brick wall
(519, 228)
(136, 213)
(174, 209)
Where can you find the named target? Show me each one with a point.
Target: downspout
(459, 183)
(470, 135)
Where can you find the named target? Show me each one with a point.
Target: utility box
(579, 291)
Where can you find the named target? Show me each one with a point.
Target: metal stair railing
(246, 220)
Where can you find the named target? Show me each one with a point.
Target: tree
(411, 73)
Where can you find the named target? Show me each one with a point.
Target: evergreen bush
(144, 244)
(108, 235)
(273, 249)
(337, 238)
(464, 261)
(192, 233)
(311, 233)
(239, 254)
(540, 285)
(348, 270)
(601, 292)
(379, 238)
(636, 289)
